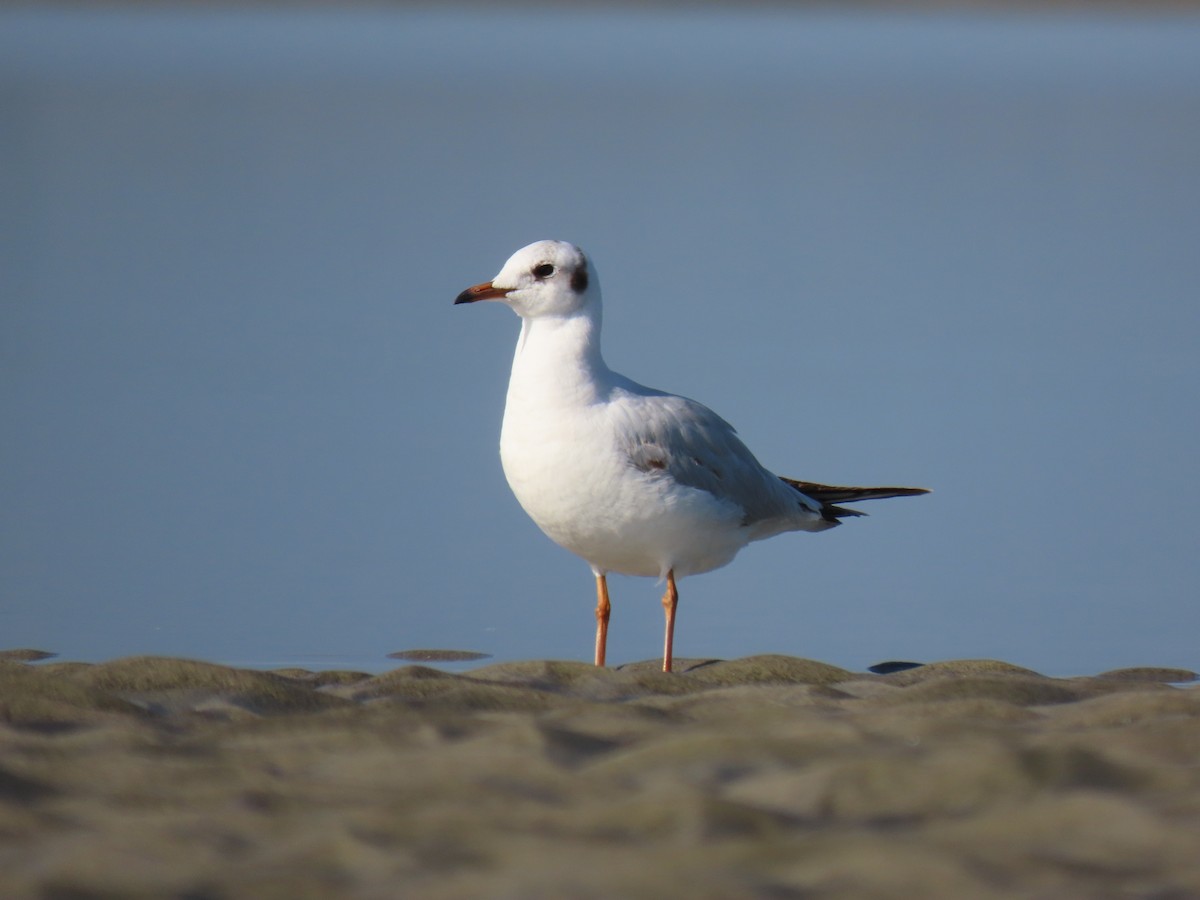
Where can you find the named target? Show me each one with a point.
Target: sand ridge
(769, 776)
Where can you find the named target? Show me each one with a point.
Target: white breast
(578, 485)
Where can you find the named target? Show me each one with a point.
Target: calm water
(243, 422)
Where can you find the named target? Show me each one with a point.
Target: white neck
(558, 361)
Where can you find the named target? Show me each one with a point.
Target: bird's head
(549, 278)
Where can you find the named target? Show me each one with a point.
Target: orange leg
(603, 608)
(669, 601)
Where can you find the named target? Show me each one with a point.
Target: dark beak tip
(483, 291)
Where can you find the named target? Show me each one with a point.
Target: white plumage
(632, 479)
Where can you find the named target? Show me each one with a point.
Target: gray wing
(688, 442)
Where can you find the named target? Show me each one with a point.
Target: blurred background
(240, 419)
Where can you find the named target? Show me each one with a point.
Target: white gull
(631, 479)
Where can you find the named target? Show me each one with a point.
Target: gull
(632, 479)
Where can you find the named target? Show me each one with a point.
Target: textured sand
(768, 776)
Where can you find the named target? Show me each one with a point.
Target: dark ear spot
(579, 280)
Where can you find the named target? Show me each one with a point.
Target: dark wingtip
(829, 493)
(831, 513)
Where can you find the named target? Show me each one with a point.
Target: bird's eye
(545, 270)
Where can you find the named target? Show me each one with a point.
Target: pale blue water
(242, 420)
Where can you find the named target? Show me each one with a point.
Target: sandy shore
(769, 776)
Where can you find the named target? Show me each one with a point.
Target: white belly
(600, 507)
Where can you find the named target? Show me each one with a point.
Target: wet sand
(768, 776)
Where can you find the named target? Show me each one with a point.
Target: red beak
(483, 291)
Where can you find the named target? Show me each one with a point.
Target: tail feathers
(828, 495)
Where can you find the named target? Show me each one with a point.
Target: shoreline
(762, 776)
